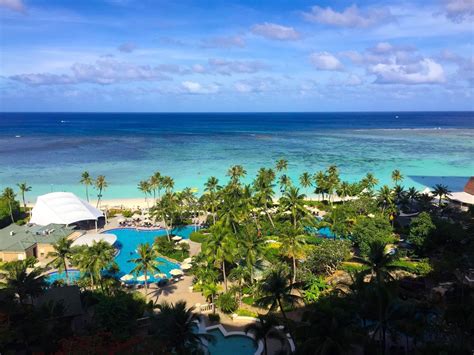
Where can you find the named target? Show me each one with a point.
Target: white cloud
(349, 17)
(426, 71)
(43, 79)
(255, 85)
(276, 32)
(353, 80)
(128, 47)
(325, 61)
(228, 67)
(192, 87)
(14, 5)
(224, 42)
(459, 10)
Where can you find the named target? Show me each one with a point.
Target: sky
(233, 56)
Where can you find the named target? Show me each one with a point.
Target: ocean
(50, 150)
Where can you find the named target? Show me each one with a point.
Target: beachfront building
(67, 209)
(20, 242)
(466, 197)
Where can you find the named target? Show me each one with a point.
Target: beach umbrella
(186, 266)
(188, 260)
(126, 277)
(142, 278)
(184, 241)
(121, 220)
(176, 272)
(160, 276)
(177, 238)
(136, 216)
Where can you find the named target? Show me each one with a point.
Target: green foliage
(227, 303)
(421, 228)
(127, 213)
(326, 257)
(117, 314)
(352, 268)
(248, 300)
(5, 218)
(214, 317)
(198, 237)
(368, 230)
(21, 222)
(421, 268)
(246, 313)
(171, 249)
(313, 287)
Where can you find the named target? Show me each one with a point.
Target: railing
(204, 308)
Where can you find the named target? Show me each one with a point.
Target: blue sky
(268, 55)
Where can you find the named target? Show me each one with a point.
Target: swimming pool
(231, 344)
(127, 242)
(129, 238)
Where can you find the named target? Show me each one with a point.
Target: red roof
(469, 188)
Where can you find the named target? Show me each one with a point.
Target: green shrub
(214, 317)
(197, 237)
(421, 228)
(249, 300)
(227, 303)
(368, 230)
(327, 256)
(352, 268)
(421, 267)
(21, 222)
(246, 313)
(127, 213)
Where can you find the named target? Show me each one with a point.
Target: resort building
(19, 242)
(465, 197)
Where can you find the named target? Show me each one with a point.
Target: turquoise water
(73, 275)
(428, 147)
(128, 239)
(234, 344)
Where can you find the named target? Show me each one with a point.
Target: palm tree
(93, 260)
(168, 183)
(264, 329)
(240, 274)
(9, 196)
(369, 181)
(236, 172)
(292, 243)
(306, 180)
(145, 262)
(412, 194)
(379, 262)
(166, 210)
(210, 290)
(441, 191)
(397, 176)
(174, 326)
(320, 183)
(23, 188)
(211, 187)
(281, 165)
(61, 255)
(385, 197)
(293, 202)
(285, 182)
(220, 246)
(276, 291)
(155, 184)
(86, 180)
(344, 190)
(263, 186)
(251, 247)
(144, 186)
(100, 184)
(23, 282)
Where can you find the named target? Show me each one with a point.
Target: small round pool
(231, 344)
(73, 275)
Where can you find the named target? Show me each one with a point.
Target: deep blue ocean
(50, 150)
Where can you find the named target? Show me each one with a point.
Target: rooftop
(20, 238)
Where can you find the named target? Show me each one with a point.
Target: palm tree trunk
(87, 192)
(225, 276)
(146, 282)
(11, 211)
(23, 198)
(294, 269)
(65, 270)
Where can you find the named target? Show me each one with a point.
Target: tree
(285, 182)
(263, 186)
(292, 246)
(385, 197)
(379, 262)
(293, 203)
(227, 303)
(421, 228)
(174, 329)
(144, 186)
(366, 230)
(240, 274)
(251, 247)
(369, 181)
(327, 256)
(61, 255)
(281, 165)
(155, 184)
(93, 260)
(210, 290)
(23, 187)
(441, 191)
(397, 176)
(265, 328)
(86, 180)
(100, 184)
(220, 246)
(145, 262)
(211, 187)
(9, 196)
(306, 180)
(344, 190)
(23, 282)
(168, 183)
(235, 173)
(276, 291)
(167, 209)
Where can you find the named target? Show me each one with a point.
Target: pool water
(73, 275)
(129, 238)
(127, 242)
(233, 344)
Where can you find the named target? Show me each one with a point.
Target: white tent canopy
(462, 197)
(89, 239)
(62, 208)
